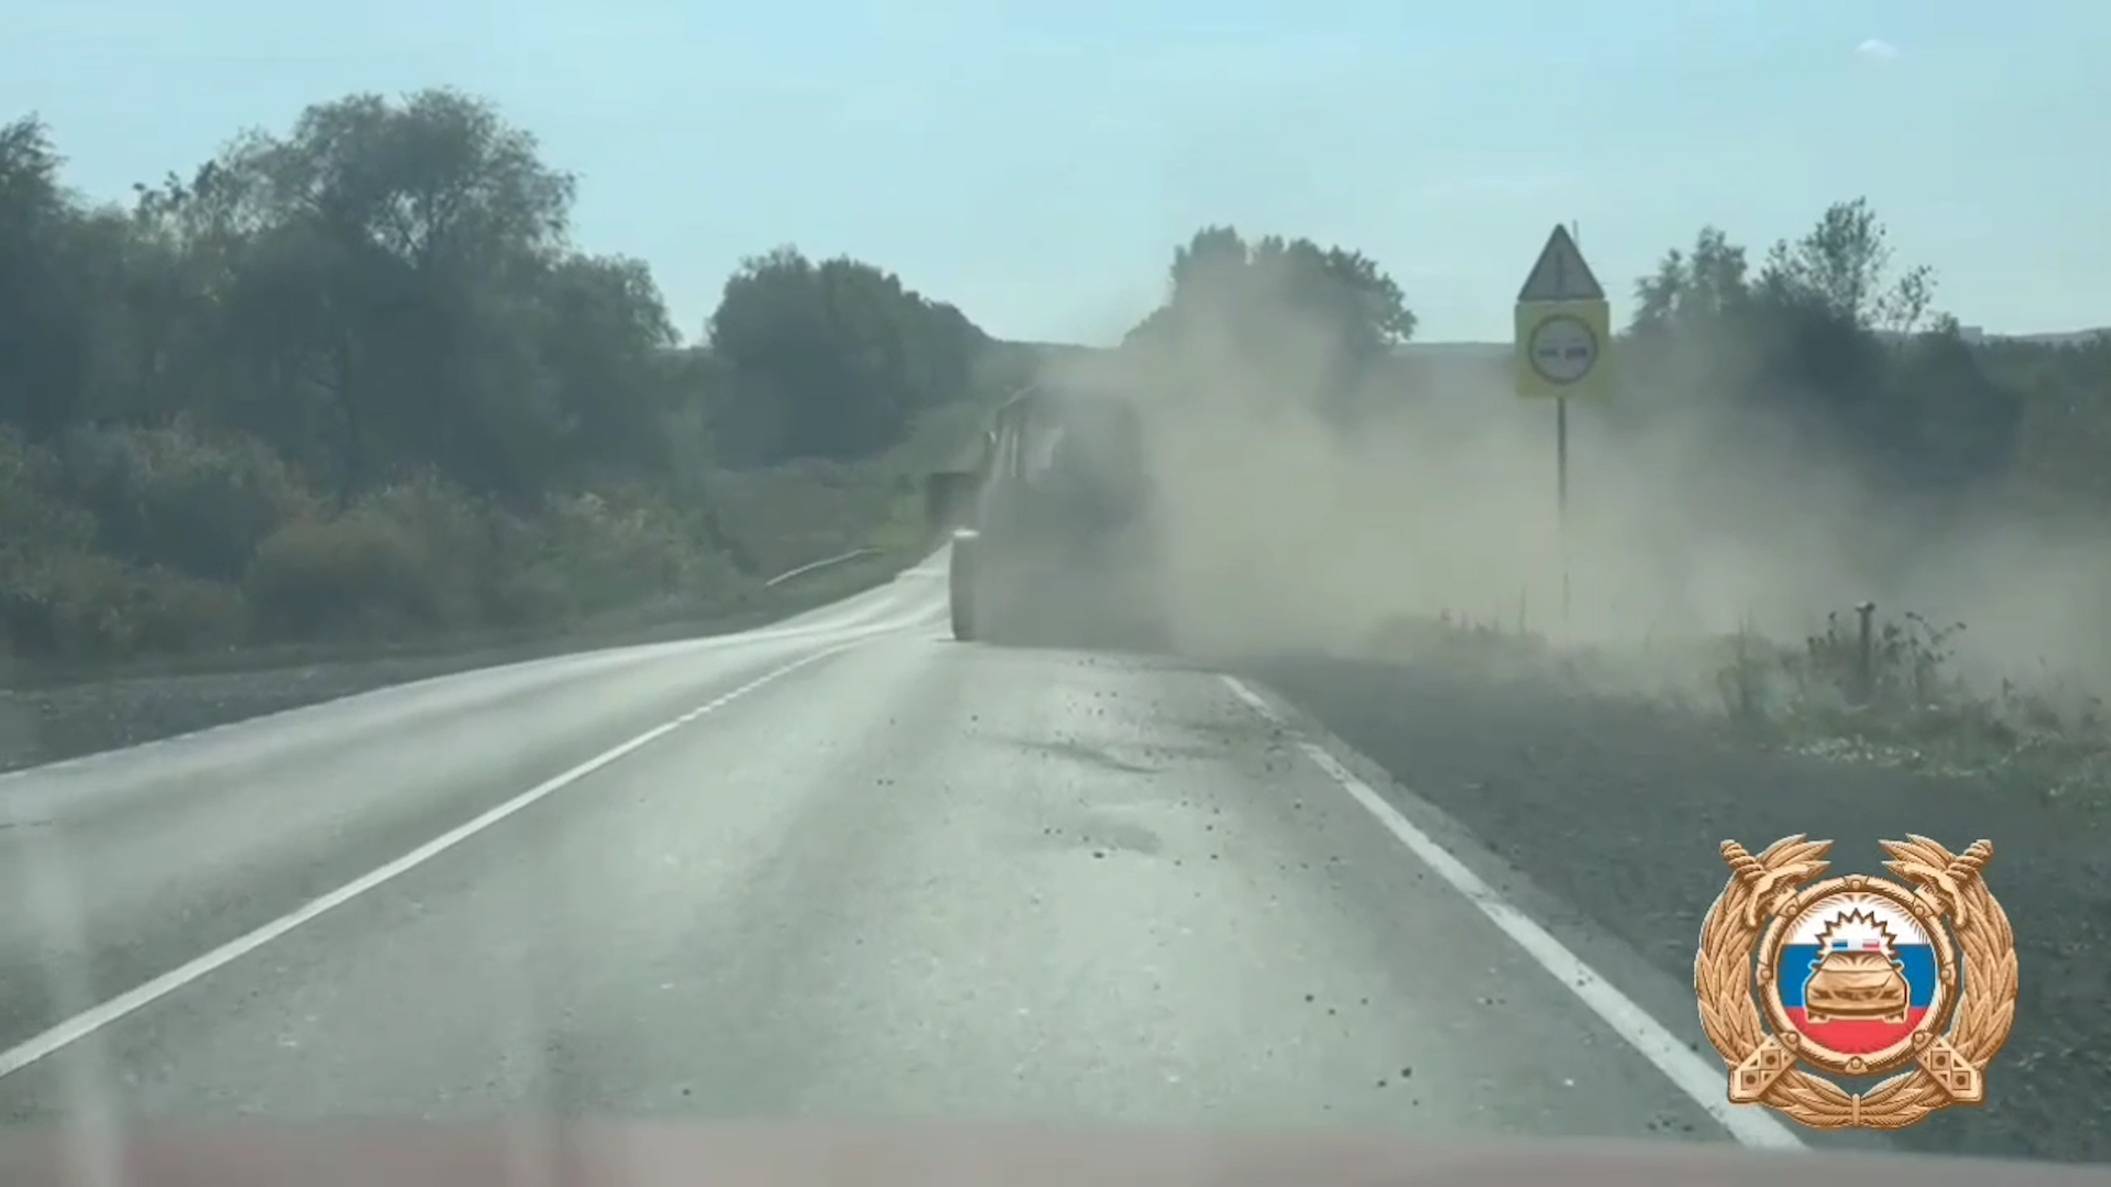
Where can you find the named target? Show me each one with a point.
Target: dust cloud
(1298, 518)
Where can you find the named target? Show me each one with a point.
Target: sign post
(1564, 331)
(1561, 494)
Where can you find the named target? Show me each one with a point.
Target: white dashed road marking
(88, 1021)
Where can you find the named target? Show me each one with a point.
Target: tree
(43, 312)
(355, 377)
(1691, 292)
(832, 360)
(603, 336)
(1951, 422)
(432, 183)
(385, 289)
(1211, 262)
(1840, 266)
(1824, 340)
(1286, 314)
(372, 275)
(2065, 430)
(1219, 275)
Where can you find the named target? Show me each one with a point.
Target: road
(841, 867)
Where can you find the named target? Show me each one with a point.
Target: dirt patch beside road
(1618, 807)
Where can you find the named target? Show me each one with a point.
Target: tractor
(1053, 533)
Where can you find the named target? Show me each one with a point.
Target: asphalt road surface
(841, 867)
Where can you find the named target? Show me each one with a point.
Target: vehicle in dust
(1056, 541)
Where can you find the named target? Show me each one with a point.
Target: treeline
(1827, 339)
(355, 380)
(1824, 340)
(1824, 343)
(1747, 385)
(2063, 448)
(1277, 319)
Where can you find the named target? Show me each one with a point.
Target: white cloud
(1877, 49)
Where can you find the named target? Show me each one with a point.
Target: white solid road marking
(1693, 1075)
(856, 624)
(88, 1021)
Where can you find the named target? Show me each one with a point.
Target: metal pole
(1561, 495)
(1865, 669)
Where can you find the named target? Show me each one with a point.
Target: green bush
(421, 556)
(34, 515)
(786, 516)
(621, 548)
(591, 552)
(412, 557)
(199, 503)
(114, 543)
(174, 612)
(76, 605)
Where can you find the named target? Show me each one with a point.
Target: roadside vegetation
(352, 385)
(354, 382)
(1905, 703)
(1831, 351)
(1809, 414)
(1901, 701)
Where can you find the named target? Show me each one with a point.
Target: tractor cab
(1054, 520)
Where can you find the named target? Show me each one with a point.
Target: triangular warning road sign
(1560, 274)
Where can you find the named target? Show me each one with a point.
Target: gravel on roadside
(1619, 807)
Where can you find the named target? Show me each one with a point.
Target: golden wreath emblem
(1857, 977)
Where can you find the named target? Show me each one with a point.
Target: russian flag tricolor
(1854, 1003)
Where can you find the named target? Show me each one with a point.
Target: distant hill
(1454, 350)
(1978, 335)
(1460, 350)
(1476, 355)
(2067, 338)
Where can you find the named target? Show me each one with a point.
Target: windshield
(1087, 450)
(1499, 572)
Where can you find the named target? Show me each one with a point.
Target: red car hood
(568, 1154)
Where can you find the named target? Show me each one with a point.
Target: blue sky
(1036, 163)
